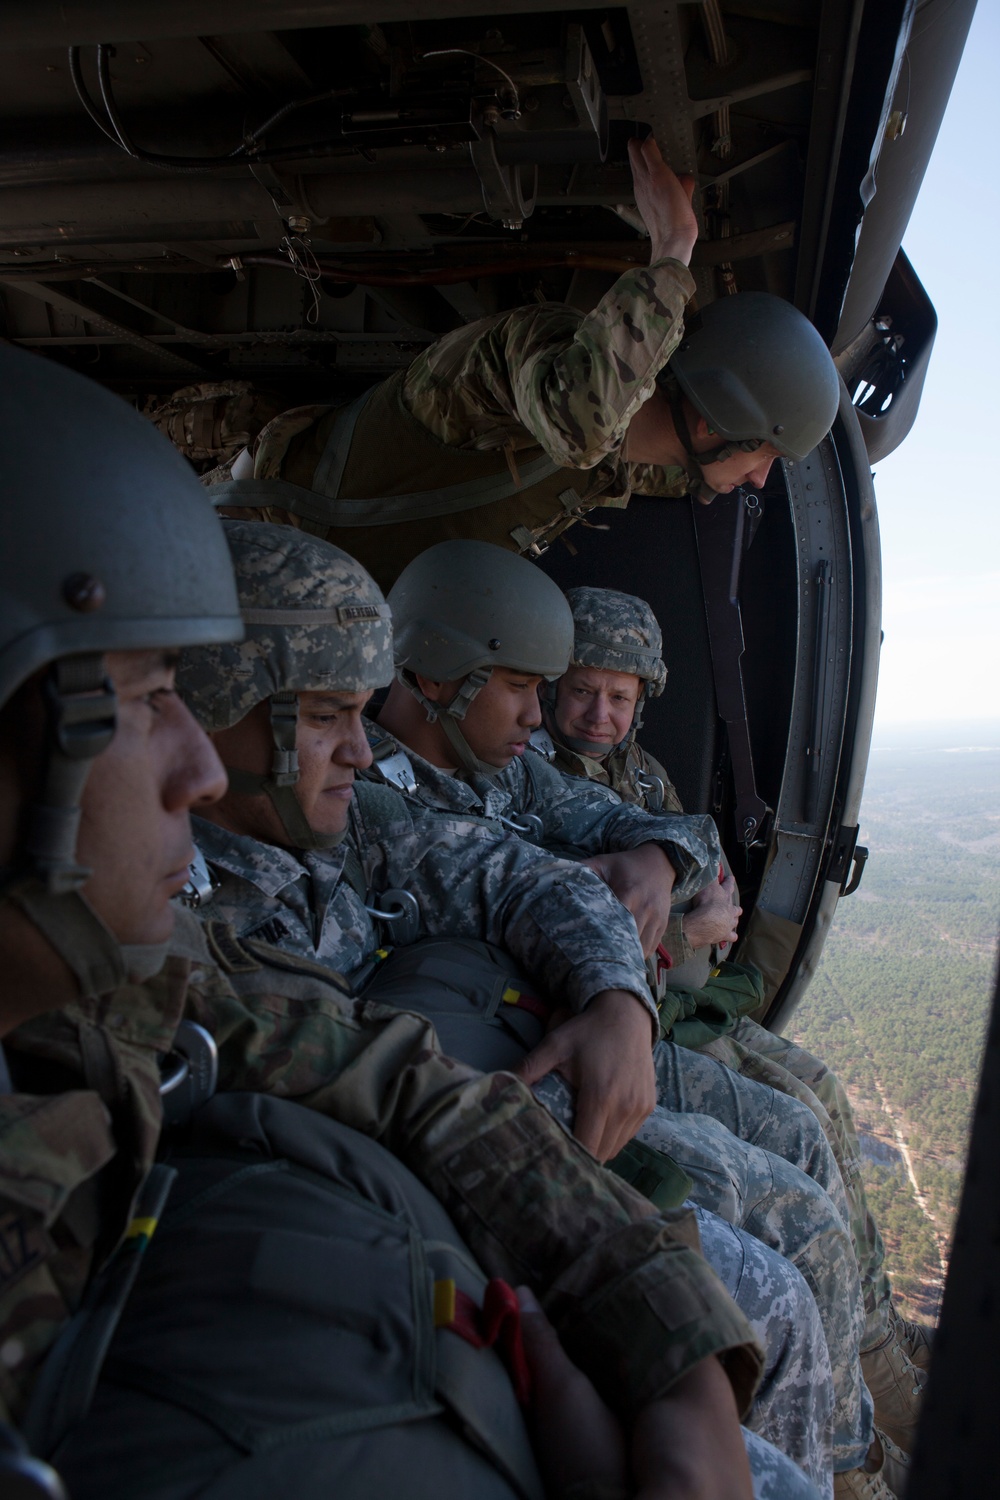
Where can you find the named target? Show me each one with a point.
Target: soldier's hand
(664, 201)
(643, 881)
(605, 1054)
(686, 1446)
(713, 917)
(577, 1439)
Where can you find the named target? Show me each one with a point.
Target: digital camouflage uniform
(303, 903)
(537, 387)
(467, 878)
(762, 1191)
(764, 1056)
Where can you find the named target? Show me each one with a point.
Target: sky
(937, 495)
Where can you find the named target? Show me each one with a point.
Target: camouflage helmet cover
(110, 542)
(617, 632)
(757, 369)
(465, 604)
(315, 621)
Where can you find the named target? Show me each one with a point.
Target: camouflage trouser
(774, 1476)
(762, 1056)
(793, 1407)
(779, 1204)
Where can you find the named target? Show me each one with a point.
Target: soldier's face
(135, 833)
(502, 715)
(740, 468)
(596, 705)
(331, 745)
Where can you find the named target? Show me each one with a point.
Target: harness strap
(497, 1324)
(337, 449)
(380, 510)
(66, 1386)
(719, 530)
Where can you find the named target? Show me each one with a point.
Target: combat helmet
(614, 632)
(758, 371)
(315, 622)
(464, 607)
(110, 545)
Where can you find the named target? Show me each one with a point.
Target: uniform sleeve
(576, 816)
(672, 483)
(559, 922)
(634, 1302)
(546, 375)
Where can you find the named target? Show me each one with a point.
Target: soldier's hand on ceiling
(605, 1054)
(664, 201)
(643, 880)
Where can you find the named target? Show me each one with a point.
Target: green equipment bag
(693, 1017)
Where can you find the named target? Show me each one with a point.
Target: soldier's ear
(436, 692)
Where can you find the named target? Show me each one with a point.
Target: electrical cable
(465, 52)
(240, 155)
(248, 151)
(83, 94)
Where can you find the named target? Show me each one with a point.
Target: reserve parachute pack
(356, 1347)
(371, 478)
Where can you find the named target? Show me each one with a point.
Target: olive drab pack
(372, 478)
(210, 422)
(315, 1256)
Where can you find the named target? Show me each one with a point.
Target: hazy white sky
(938, 500)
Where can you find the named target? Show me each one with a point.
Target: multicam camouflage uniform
(532, 1204)
(212, 421)
(536, 388)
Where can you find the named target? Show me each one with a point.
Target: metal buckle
(402, 911)
(189, 1074)
(397, 770)
(201, 885)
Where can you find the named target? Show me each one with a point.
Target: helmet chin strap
(278, 785)
(82, 714)
(449, 718)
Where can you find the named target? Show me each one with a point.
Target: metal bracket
(847, 860)
(508, 196)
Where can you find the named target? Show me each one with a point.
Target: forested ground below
(899, 1005)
